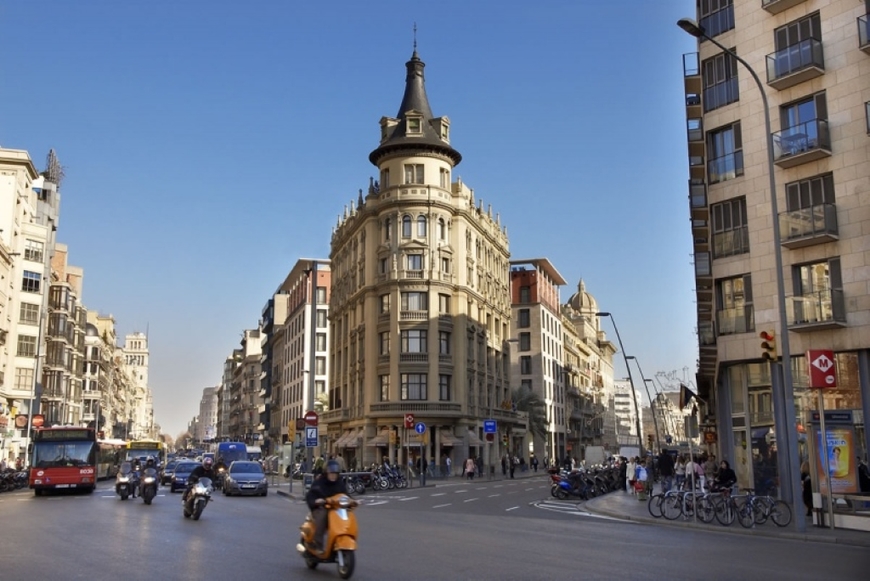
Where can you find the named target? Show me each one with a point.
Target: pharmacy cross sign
(822, 368)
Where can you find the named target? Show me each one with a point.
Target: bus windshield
(62, 454)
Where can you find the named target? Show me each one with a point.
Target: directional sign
(311, 418)
(489, 427)
(409, 421)
(311, 437)
(420, 428)
(823, 370)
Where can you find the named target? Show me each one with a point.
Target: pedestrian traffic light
(768, 345)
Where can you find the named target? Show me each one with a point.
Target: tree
(184, 439)
(167, 441)
(321, 403)
(528, 401)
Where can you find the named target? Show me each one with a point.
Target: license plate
(249, 485)
(61, 486)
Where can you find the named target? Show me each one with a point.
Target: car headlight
(264, 481)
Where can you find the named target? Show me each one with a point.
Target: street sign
(490, 437)
(420, 428)
(300, 424)
(311, 418)
(311, 437)
(409, 421)
(823, 370)
(489, 427)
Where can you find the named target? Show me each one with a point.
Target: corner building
(420, 303)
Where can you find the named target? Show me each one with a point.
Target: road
(499, 530)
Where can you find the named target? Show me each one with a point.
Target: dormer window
(415, 125)
(445, 132)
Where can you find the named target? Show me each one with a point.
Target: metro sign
(823, 370)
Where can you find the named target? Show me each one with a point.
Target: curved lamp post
(784, 397)
(630, 382)
(651, 408)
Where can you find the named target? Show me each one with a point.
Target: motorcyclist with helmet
(204, 470)
(323, 487)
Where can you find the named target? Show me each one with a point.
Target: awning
(473, 440)
(341, 441)
(380, 440)
(449, 439)
(353, 438)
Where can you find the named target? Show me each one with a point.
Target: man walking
(666, 470)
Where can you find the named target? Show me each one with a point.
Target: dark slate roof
(414, 99)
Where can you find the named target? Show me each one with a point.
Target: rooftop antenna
(415, 37)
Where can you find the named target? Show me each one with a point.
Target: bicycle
(764, 507)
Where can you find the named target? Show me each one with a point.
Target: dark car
(245, 477)
(166, 473)
(181, 474)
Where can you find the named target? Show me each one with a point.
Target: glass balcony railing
(798, 57)
(731, 242)
(726, 167)
(801, 227)
(721, 94)
(822, 308)
(717, 22)
(706, 334)
(812, 136)
(735, 320)
(864, 33)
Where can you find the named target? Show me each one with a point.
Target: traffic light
(768, 345)
(504, 439)
(649, 439)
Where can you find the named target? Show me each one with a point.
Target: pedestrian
(469, 468)
(680, 471)
(504, 464)
(342, 466)
(479, 463)
(666, 470)
(710, 468)
(630, 475)
(449, 464)
(534, 463)
(513, 464)
(807, 487)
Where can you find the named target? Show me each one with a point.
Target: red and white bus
(64, 457)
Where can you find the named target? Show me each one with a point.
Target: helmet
(150, 461)
(207, 462)
(332, 466)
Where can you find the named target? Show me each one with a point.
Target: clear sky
(210, 144)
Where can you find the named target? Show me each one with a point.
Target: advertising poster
(841, 463)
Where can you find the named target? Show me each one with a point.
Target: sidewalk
(280, 485)
(624, 506)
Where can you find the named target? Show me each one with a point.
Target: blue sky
(209, 144)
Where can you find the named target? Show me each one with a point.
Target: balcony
(413, 358)
(702, 265)
(864, 33)
(726, 167)
(445, 359)
(718, 21)
(795, 64)
(809, 226)
(731, 242)
(802, 143)
(413, 315)
(413, 274)
(432, 408)
(735, 320)
(777, 6)
(816, 311)
(341, 414)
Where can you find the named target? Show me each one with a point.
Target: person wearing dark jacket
(324, 487)
(726, 478)
(666, 470)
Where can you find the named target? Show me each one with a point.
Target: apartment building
(420, 307)
(813, 60)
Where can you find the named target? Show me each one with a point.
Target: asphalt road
(479, 530)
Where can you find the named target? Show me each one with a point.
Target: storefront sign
(842, 471)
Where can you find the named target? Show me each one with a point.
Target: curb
(755, 532)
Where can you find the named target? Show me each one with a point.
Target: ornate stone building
(420, 303)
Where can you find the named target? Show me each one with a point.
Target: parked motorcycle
(340, 543)
(148, 487)
(126, 481)
(197, 498)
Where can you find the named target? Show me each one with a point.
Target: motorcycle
(126, 481)
(341, 532)
(148, 488)
(198, 496)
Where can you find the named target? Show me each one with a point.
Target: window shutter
(821, 106)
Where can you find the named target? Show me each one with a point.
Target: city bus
(110, 454)
(63, 457)
(144, 448)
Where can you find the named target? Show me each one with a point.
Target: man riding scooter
(324, 487)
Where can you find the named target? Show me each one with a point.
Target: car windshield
(185, 467)
(245, 467)
(171, 466)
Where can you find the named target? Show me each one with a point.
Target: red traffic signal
(768, 345)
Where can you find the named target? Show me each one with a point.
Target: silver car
(245, 477)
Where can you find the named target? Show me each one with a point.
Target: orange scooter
(340, 543)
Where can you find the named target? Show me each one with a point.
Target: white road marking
(527, 489)
(442, 505)
(481, 488)
(511, 508)
(494, 495)
(458, 491)
(438, 494)
(469, 500)
(409, 498)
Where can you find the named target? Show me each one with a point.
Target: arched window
(421, 226)
(406, 227)
(442, 229)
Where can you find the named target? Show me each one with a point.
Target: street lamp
(630, 381)
(651, 408)
(783, 394)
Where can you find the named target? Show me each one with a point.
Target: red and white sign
(409, 421)
(311, 418)
(822, 368)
